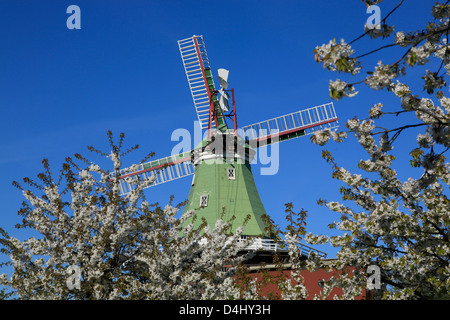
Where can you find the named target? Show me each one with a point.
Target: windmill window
(204, 200)
(231, 174)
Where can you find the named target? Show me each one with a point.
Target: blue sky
(61, 89)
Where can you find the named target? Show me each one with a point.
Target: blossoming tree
(94, 243)
(400, 226)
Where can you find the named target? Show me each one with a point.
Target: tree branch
(373, 51)
(400, 128)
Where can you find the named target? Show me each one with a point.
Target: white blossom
(339, 89)
(424, 140)
(375, 112)
(400, 226)
(337, 57)
(401, 89)
(381, 77)
(418, 55)
(400, 39)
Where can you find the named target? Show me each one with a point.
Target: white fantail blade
(223, 77)
(223, 100)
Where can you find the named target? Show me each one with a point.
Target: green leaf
(412, 59)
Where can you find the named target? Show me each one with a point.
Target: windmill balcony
(267, 245)
(270, 245)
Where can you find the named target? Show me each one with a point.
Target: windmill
(223, 185)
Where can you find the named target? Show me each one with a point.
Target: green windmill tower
(223, 185)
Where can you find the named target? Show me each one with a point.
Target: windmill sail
(200, 80)
(164, 170)
(292, 125)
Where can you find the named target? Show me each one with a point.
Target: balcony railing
(271, 245)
